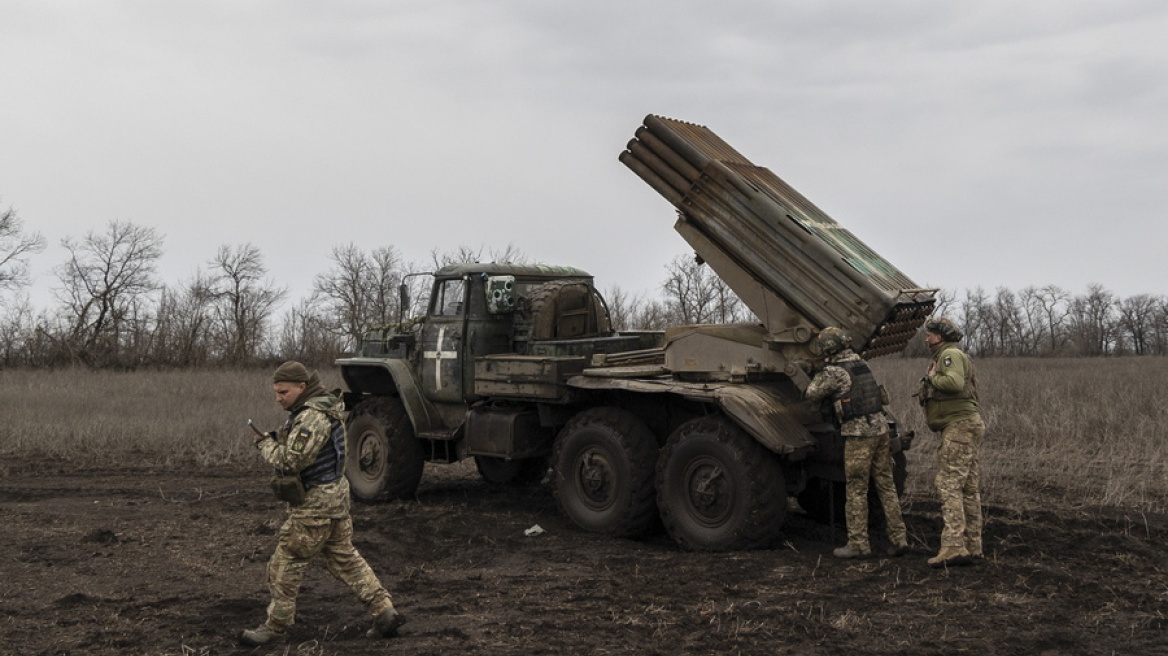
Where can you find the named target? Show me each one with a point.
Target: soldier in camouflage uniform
(308, 454)
(858, 403)
(949, 397)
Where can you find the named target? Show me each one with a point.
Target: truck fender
(768, 415)
(418, 407)
(421, 413)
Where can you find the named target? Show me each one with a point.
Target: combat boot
(260, 636)
(974, 548)
(851, 551)
(949, 557)
(386, 624)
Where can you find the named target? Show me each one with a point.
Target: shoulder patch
(948, 361)
(300, 440)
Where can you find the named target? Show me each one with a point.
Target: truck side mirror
(403, 292)
(501, 294)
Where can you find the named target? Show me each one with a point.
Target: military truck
(700, 428)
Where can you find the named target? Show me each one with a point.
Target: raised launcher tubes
(790, 263)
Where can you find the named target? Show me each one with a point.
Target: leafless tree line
(1051, 321)
(113, 312)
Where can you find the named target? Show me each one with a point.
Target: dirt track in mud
(139, 562)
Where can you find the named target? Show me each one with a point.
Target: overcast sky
(986, 143)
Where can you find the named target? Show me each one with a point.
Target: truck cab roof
(507, 269)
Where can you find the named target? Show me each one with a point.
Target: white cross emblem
(438, 355)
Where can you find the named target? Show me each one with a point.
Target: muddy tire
(520, 471)
(719, 489)
(383, 457)
(603, 468)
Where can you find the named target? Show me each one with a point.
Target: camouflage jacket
(296, 446)
(949, 391)
(833, 382)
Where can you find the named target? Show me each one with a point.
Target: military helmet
(832, 340)
(944, 327)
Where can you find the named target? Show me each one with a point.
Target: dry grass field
(1091, 432)
(157, 419)
(135, 519)
(1077, 432)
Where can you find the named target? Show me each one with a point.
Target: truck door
(442, 339)
(484, 333)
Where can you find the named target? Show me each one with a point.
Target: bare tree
(1092, 321)
(103, 285)
(620, 307)
(944, 303)
(691, 293)
(344, 292)
(184, 325)
(15, 247)
(1032, 322)
(1137, 320)
(1160, 327)
(509, 254)
(243, 300)
(359, 291)
(1053, 302)
(15, 326)
(461, 255)
(1007, 323)
(653, 315)
(307, 336)
(975, 321)
(383, 298)
(728, 308)
(1043, 312)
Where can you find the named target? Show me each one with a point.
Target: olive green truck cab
(700, 428)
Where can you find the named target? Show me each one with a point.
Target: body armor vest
(864, 396)
(330, 460)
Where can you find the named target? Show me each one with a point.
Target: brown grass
(1061, 431)
(152, 419)
(1077, 431)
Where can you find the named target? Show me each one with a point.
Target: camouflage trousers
(301, 540)
(957, 484)
(868, 459)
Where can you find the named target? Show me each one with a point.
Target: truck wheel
(519, 471)
(603, 472)
(383, 458)
(718, 488)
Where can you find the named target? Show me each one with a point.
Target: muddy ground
(130, 561)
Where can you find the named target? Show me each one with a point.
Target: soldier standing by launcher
(858, 402)
(308, 453)
(949, 397)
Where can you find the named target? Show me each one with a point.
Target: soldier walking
(858, 404)
(949, 397)
(308, 454)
